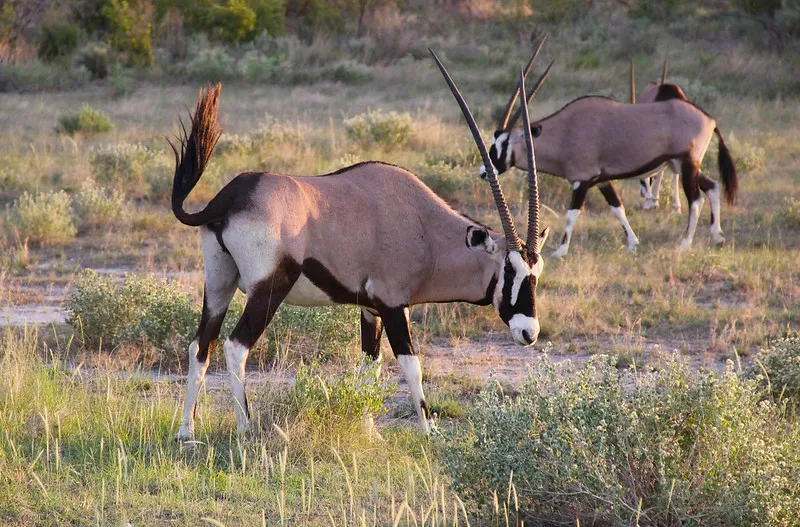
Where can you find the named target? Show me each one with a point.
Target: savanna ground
(90, 408)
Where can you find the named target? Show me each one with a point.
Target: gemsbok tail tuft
(192, 155)
(727, 170)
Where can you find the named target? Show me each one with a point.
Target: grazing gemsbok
(594, 140)
(371, 235)
(650, 185)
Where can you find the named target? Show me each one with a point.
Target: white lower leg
(413, 374)
(716, 228)
(676, 198)
(197, 372)
(235, 358)
(572, 218)
(633, 241)
(651, 199)
(694, 216)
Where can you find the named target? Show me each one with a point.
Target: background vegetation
(89, 408)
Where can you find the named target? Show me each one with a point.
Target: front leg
(398, 331)
(618, 209)
(579, 190)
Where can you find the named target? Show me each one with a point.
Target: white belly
(304, 293)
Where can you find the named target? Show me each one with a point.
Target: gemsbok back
(371, 235)
(594, 140)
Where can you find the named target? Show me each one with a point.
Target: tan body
(341, 220)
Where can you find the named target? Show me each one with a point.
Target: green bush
(58, 41)
(130, 30)
(44, 218)
(138, 309)
(34, 75)
(212, 65)
(124, 165)
(270, 16)
(779, 369)
(377, 127)
(233, 22)
(97, 205)
(329, 405)
(96, 58)
(87, 121)
(611, 447)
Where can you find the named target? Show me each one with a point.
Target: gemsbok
(372, 235)
(651, 184)
(594, 140)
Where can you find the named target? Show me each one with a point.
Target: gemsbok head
(594, 140)
(371, 235)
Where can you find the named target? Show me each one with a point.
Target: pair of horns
(512, 240)
(633, 79)
(507, 121)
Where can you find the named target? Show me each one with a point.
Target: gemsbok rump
(594, 140)
(370, 234)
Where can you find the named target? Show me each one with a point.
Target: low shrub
(45, 217)
(138, 309)
(331, 405)
(125, 165)
(672, 447)
(58, 41)
(34, 75)
(97, 205)
(212, 65)
(97, 58)
(377, 127)
(87, 121)
(269, 134)
(778, 369)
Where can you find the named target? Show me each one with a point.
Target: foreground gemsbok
(594, 140)
(371, 235)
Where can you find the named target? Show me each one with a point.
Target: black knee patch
(425, 410)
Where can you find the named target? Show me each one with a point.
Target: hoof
(650, 204)
(561, 252)
(718, 240)
(632, 247)
(685, 245)
(676, 210)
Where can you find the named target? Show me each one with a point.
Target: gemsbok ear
(543, 238)
(479, 239)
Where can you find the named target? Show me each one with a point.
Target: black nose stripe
(527, 336)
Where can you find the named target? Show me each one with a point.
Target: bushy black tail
(727, 170)
(196, 147)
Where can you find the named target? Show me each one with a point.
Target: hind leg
(263, 299)
(221, 276)
(712, 191)
(371, 331)
(689, 173)
(676, 197)
(615, 203)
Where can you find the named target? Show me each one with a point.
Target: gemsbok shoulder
(595, 140)
(372, 235)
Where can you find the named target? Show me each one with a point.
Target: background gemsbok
(594, 140)
(651, 185)
(370, 234)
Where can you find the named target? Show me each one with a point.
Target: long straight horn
(503, 123)
(664, 72)
(633, 84)
(532, 241)
(531, 94)
(502, 207)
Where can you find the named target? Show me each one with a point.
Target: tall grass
(86, 447)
